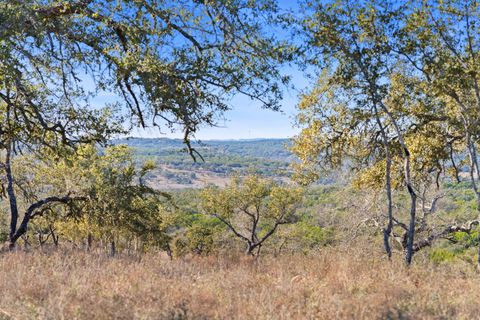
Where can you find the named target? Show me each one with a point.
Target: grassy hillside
(332, 284)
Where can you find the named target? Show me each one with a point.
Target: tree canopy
(170, 64)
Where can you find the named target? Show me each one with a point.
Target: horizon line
(215, 139)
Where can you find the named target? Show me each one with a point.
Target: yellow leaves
(251, 195)
(218, 202)
(328, 125)
(428, 147)
(308, 100)
(304, 174)
(149, 165)
(373, 176)
(328, 136)
(305, 144)
(283, 200)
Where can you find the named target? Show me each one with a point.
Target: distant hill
(223, 158)
(274, 149)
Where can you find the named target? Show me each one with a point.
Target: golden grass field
(332, 284)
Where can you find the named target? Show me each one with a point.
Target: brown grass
(333, 284)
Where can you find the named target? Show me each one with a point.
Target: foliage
(441, 255)
(252, 208)
(171, 66)
(215, 49)
(394, 107)
(118, 202)
(201, 237)
(395, 99)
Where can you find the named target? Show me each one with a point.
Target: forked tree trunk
(33, 210)
(377, 101)
(408, 182)
(250, 248)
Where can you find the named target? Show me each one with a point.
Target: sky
(246, 119)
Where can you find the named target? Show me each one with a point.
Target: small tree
(252, 208)
(111, 200)
(120, 204)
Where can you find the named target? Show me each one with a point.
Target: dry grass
(331, 284)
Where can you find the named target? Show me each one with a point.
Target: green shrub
(466, 240)
(441, 255)
(199, 238)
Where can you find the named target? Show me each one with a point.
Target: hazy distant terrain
(223, 158)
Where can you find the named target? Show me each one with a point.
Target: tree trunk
(411, 227)
(250, 248)
(89, 241)
(113, 249)
(258, 250)
(54, 237)
(169, 251)
(12, 198)
(387, 231)
(26, 244)
(408, 182)
(40, 239)
(30, 213)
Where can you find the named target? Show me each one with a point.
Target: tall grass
(340, 283)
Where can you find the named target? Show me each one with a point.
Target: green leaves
(252, 208)
(169, 64)
(118, 204)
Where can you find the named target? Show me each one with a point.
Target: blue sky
(247, 120)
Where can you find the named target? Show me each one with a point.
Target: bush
(466, 240)
(441, 255)
(201, 237)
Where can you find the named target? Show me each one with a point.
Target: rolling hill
(222, 159)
